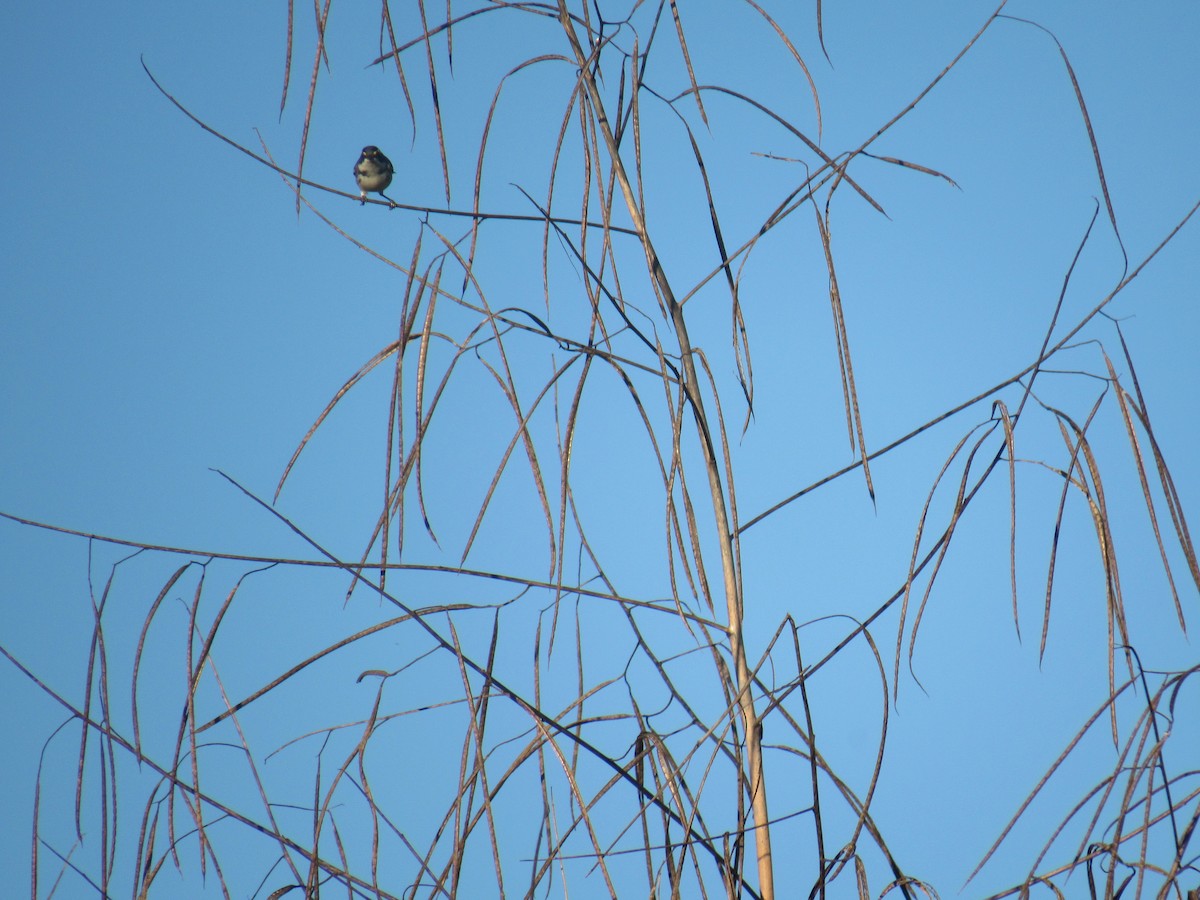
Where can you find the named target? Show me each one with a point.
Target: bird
(373, 172)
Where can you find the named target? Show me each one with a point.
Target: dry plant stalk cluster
(594, 787)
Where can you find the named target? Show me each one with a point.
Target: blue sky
(166, 314)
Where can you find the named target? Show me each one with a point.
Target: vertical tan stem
(745, 698)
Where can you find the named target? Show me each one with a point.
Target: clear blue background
(164, 313)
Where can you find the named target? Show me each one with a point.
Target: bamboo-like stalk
(733, 600)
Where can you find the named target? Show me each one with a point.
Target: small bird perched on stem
(373, 172)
